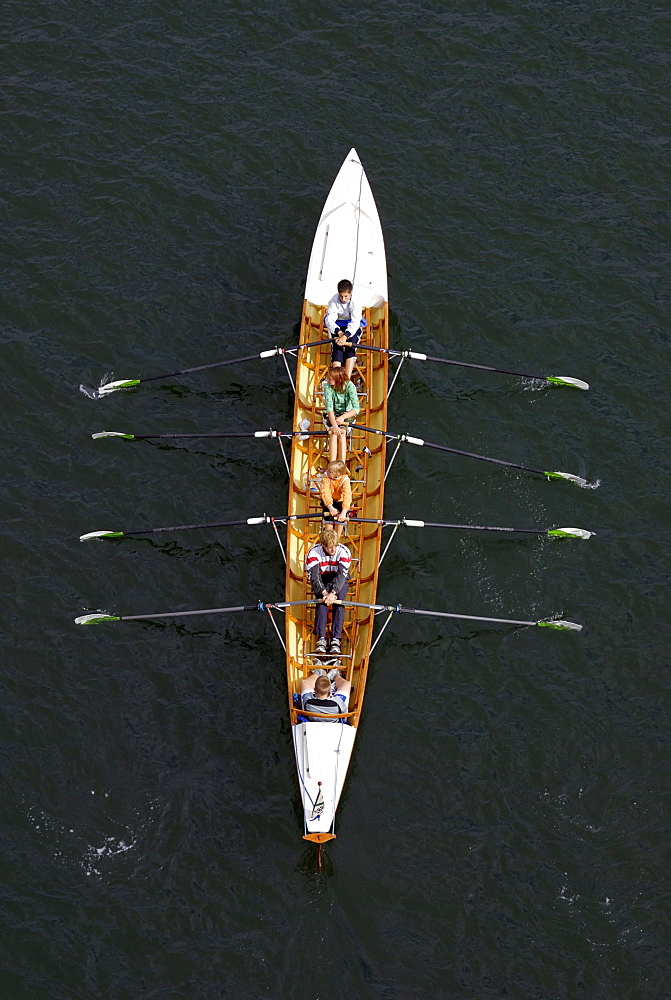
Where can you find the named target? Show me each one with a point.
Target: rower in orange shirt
(335, 491)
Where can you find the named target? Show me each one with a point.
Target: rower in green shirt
(341, 406)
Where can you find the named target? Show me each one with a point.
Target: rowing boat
(348, 243)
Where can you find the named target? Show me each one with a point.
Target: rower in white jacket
(343, 321)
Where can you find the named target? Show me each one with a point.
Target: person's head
(337, 377)
(344, 290)
(328, 540)
(322, 686)
(334, 470)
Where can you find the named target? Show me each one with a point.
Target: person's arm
(346, 497)
(353, 327)
(352, 401)
(329, 405)
(326, 494)
(342, 574)
(346, 494)
(314, 573)
(330, 317)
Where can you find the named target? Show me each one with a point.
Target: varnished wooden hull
(314, 745)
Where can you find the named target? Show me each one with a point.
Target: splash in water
(93, 393)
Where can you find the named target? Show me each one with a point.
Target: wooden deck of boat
(308, 461)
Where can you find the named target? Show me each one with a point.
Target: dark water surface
(505, 827)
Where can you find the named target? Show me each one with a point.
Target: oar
(410, 523)
(215, 434)
(469, 454)
(129, 383)
(573, 383)
(101, 617)
(264, 519)
(557, 623)
(284, 518)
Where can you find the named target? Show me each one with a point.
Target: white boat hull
(323, 751)
(348, 242)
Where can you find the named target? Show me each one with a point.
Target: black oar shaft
(400, 609)
(201, 368)
(486, 527)
(231, 361)
(259, 606)
(185, 614)
(266, 519)
(232, 434)
(482, 458)
(483, 368)
(449, 361)
(436, 524)
(227, 434)
(442, 447)
(474, 618)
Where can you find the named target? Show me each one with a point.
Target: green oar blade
(571, 479)
(560, 624)
(96, 619)
(570, 533)
(113, 434)
(573, 383)
(110, 387)
(100, 534)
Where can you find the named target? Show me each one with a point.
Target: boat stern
(323, 751)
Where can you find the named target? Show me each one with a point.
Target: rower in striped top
(327, 566)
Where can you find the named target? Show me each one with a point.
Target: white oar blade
(560, 624)
(570, 533)
(578, 480)
(96, 619)
(100, 534)
(574, 383)
(112, 434)
(110, 387)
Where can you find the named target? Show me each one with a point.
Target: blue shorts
(341, 354)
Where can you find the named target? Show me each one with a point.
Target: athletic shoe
(333, 674)
(335, 647)
(321, 645)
